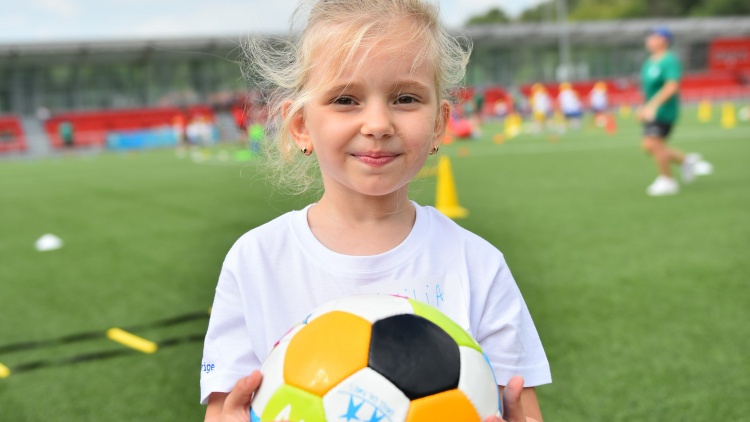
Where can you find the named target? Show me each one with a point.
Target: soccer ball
(376, 358)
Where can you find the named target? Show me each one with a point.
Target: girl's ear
(441, 123)
(297, 127)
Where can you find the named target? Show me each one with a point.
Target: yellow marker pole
(4, 371)
(131, 340)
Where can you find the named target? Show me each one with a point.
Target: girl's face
(373, 129)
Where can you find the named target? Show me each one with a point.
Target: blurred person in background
(570, 105)
(660, 82)
(599, 102)
(65, 130)
(541, 106)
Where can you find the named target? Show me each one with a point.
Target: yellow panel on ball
(448, 406)
(326, 351)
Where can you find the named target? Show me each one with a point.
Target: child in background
(541, 107)
(363, 87)
(598, 101)
(570, 105)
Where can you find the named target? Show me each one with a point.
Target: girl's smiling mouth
(375, 159)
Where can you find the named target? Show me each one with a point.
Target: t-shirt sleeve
(672, 69)
(228, 353)
(508, 336)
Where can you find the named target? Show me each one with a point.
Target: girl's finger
(239, 399)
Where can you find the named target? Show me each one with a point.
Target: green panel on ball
(454, 330)
(292, 404)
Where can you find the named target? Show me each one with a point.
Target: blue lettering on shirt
(429, 298)
(207, 367)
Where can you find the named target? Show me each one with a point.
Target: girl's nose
(378, 121)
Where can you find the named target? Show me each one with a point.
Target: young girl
(364, 88)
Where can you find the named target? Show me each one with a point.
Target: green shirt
(654, 74)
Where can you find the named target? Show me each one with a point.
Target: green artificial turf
(641, 303)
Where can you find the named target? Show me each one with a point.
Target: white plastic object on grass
(48, 242)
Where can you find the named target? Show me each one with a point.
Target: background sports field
(642, 303)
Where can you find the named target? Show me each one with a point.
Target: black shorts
(657, 129)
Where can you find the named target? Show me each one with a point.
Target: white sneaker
(702, 168)
(663, 186)
(688, 167)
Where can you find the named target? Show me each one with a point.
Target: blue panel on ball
(253, 416)
(499, 399)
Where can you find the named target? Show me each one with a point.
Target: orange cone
(611, 125)
(446, 198)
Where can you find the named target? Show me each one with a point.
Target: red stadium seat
(91, 127)
(11, 134)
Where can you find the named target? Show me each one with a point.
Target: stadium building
(60, 77)
(138, 73)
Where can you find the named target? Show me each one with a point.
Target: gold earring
(434, 150)
(305, 151)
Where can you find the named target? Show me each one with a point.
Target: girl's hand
(512, 406)
(237, 404)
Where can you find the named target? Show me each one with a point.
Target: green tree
(609, 9)
(722, 8)
(545, 11)
(583, 10)
(493, 15)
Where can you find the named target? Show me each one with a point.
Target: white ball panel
(366, 396)
(273, 374)
(374, 307)
(478, 382)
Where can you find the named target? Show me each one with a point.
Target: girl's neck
(350, 223)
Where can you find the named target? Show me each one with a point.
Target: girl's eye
(406, 99)
(343, 101)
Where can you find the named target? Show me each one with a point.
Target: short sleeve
(673, 69)
(228, 353)
(508, 336)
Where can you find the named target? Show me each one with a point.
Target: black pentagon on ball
(415, 355)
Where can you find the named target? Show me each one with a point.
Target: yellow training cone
(446, 199)
(513, 123)
(625, 111)
(728, 116)
(704, 111)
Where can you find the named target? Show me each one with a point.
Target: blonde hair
(281, 68)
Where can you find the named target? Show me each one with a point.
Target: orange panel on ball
(448, 406)
(326, 351)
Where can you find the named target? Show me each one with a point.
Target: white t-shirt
(541, 103)
(569, 102)
(598, 98)
(276, 274)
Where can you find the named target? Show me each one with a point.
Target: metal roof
(601, 32)
(63, 47)
(607, 32)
